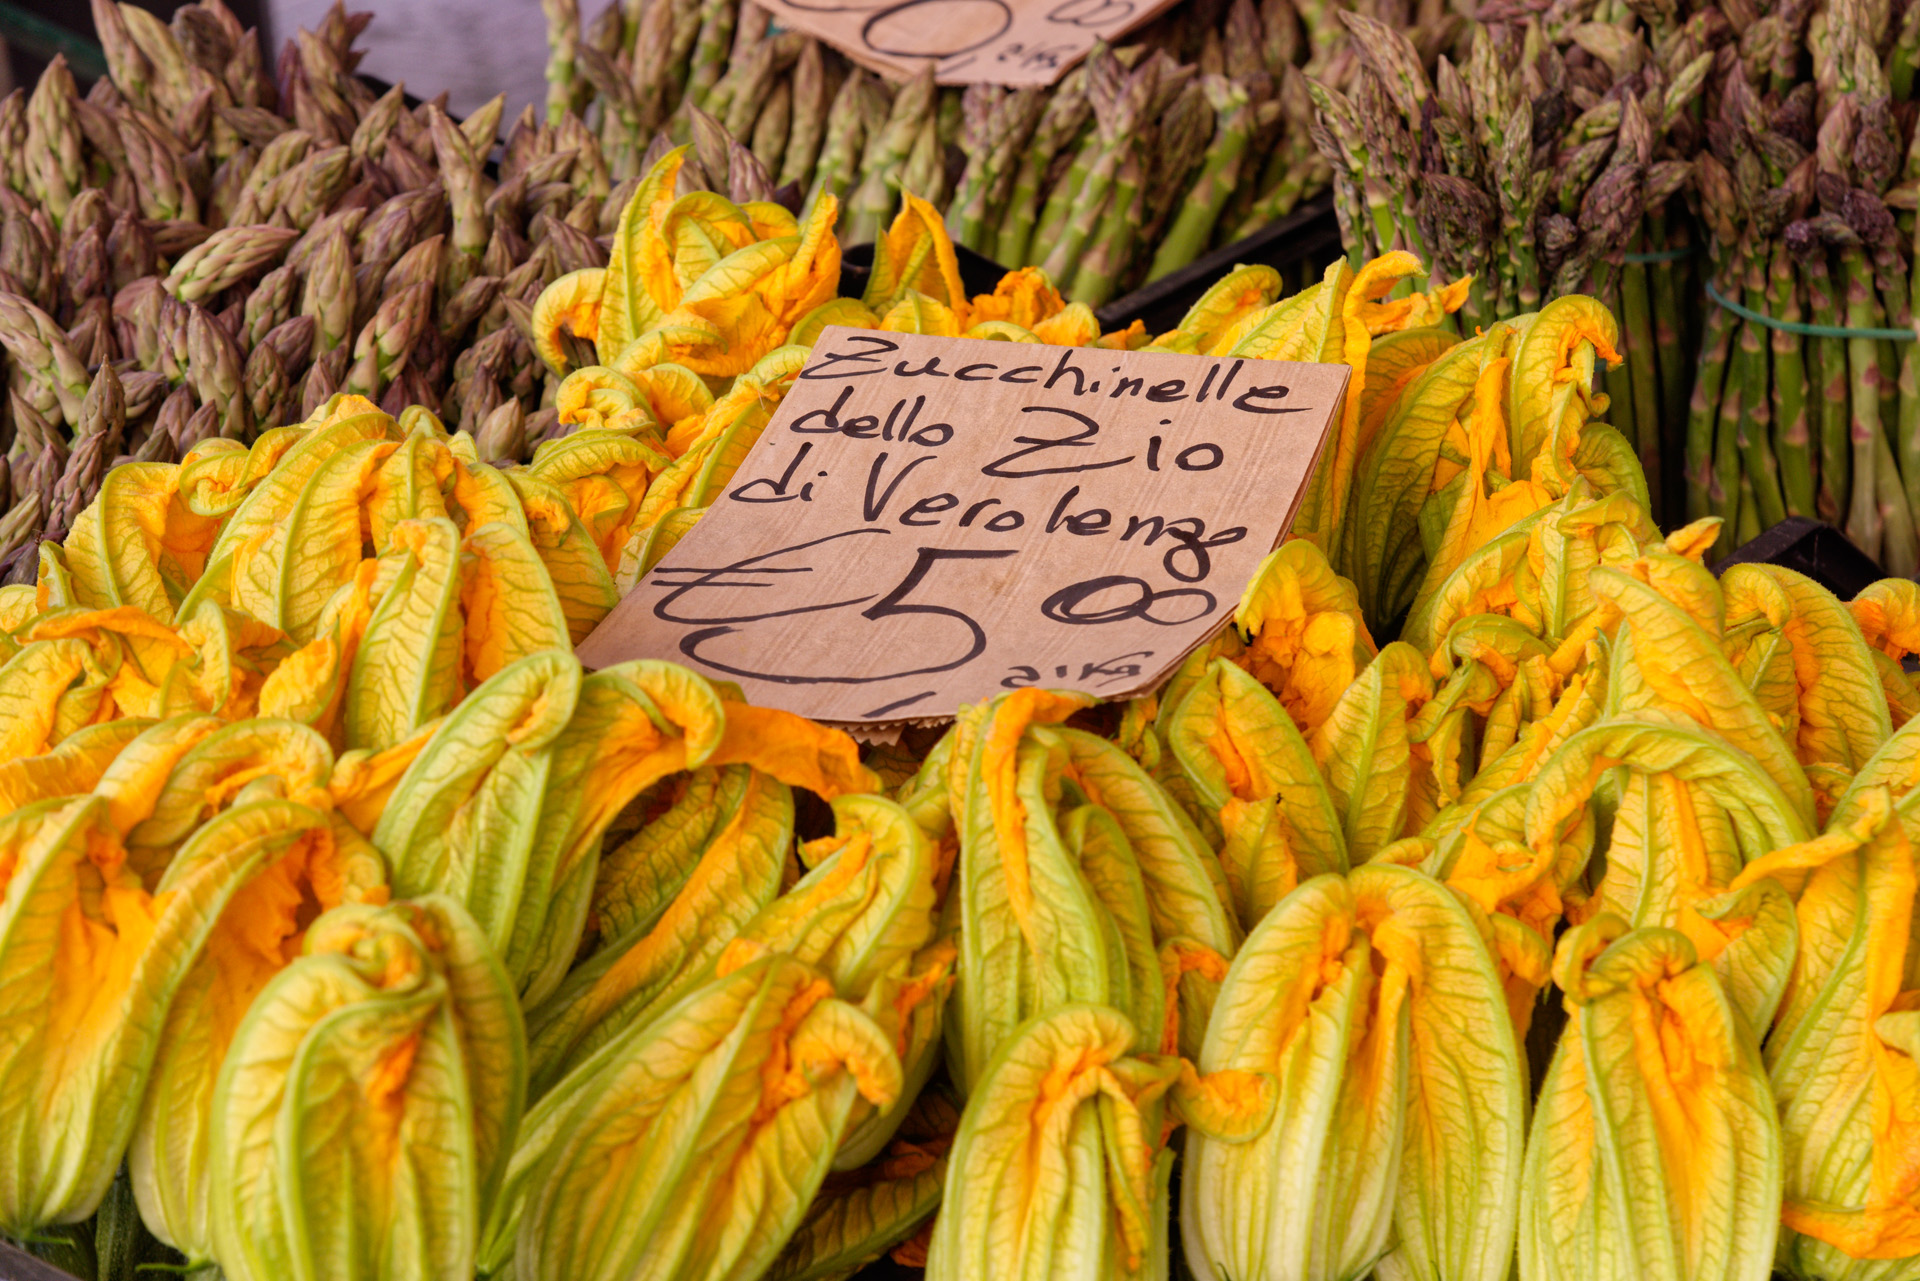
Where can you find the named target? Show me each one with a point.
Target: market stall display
(1503, 892)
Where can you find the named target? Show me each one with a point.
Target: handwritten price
(716, 602)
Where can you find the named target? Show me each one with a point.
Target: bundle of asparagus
(1132, 165)
(1808, 394)
(1544, 162)
(199, 247)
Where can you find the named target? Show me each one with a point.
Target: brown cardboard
(927, 522)
(1005, 42)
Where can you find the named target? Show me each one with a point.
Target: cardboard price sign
(927, 522)
(1003, 42)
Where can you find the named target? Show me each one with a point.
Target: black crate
(1810, 547)
(1299, 246)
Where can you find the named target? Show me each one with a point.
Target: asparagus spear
(1186, 128)
(1703, 413)
(996, 124)
(845, 137)
(1792, 439)
(1751, 364)
(812, 102)
(1219, 175)
(1060, 122)
(1119, 103)
(1641, 375)
(772, 130)
(1865, 520)
(53, 141)
(925, 172)
(563, 44)
(872, 203)
(717, 18)
(1668, 319)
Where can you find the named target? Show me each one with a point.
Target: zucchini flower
(915, 313)
(1553, 366)
(225, 671)
(702, 469)
(916, 256)
(571, 305)
(460, 819)
(1896, 767)
(1352, 994)
(708, 870)
(640, 286)
(1376, 776)
(1485, 858)
(368, 1101)
(574, 562)
(604, 476)
(407, 668)
(137, 539)
(188, 769)
(1841, 1056)
(713, 1128)
(1024, 296)
(1075, 869)
(75, 766)
(1239, 293)
(1666, 663)
(1538, 572)
(1554, 595)
(1801, 652)
(314, 862)
(697, 280)
(693, 894)
(666, 903)
(1396, 359)
(753, 297)
(596, 398)
(835, 311)
(1306, 639)
(58, 683)
(678, 398)
(1888, 613)
(1256, 781)
(1336, 325)
(1690, 815)
(1060, 1167)
(1495, 681)
(1484, 497)
(1411, 455)
(410, 482)
(508, 605)
(1655, 1149)
(94, 954)
(296, 538)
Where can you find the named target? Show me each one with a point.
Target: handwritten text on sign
(1005, 42)
(929, 521)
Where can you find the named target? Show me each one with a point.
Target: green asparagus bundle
(201, 245)
(1809, 381)
(1543, 162)
(1132, 165)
